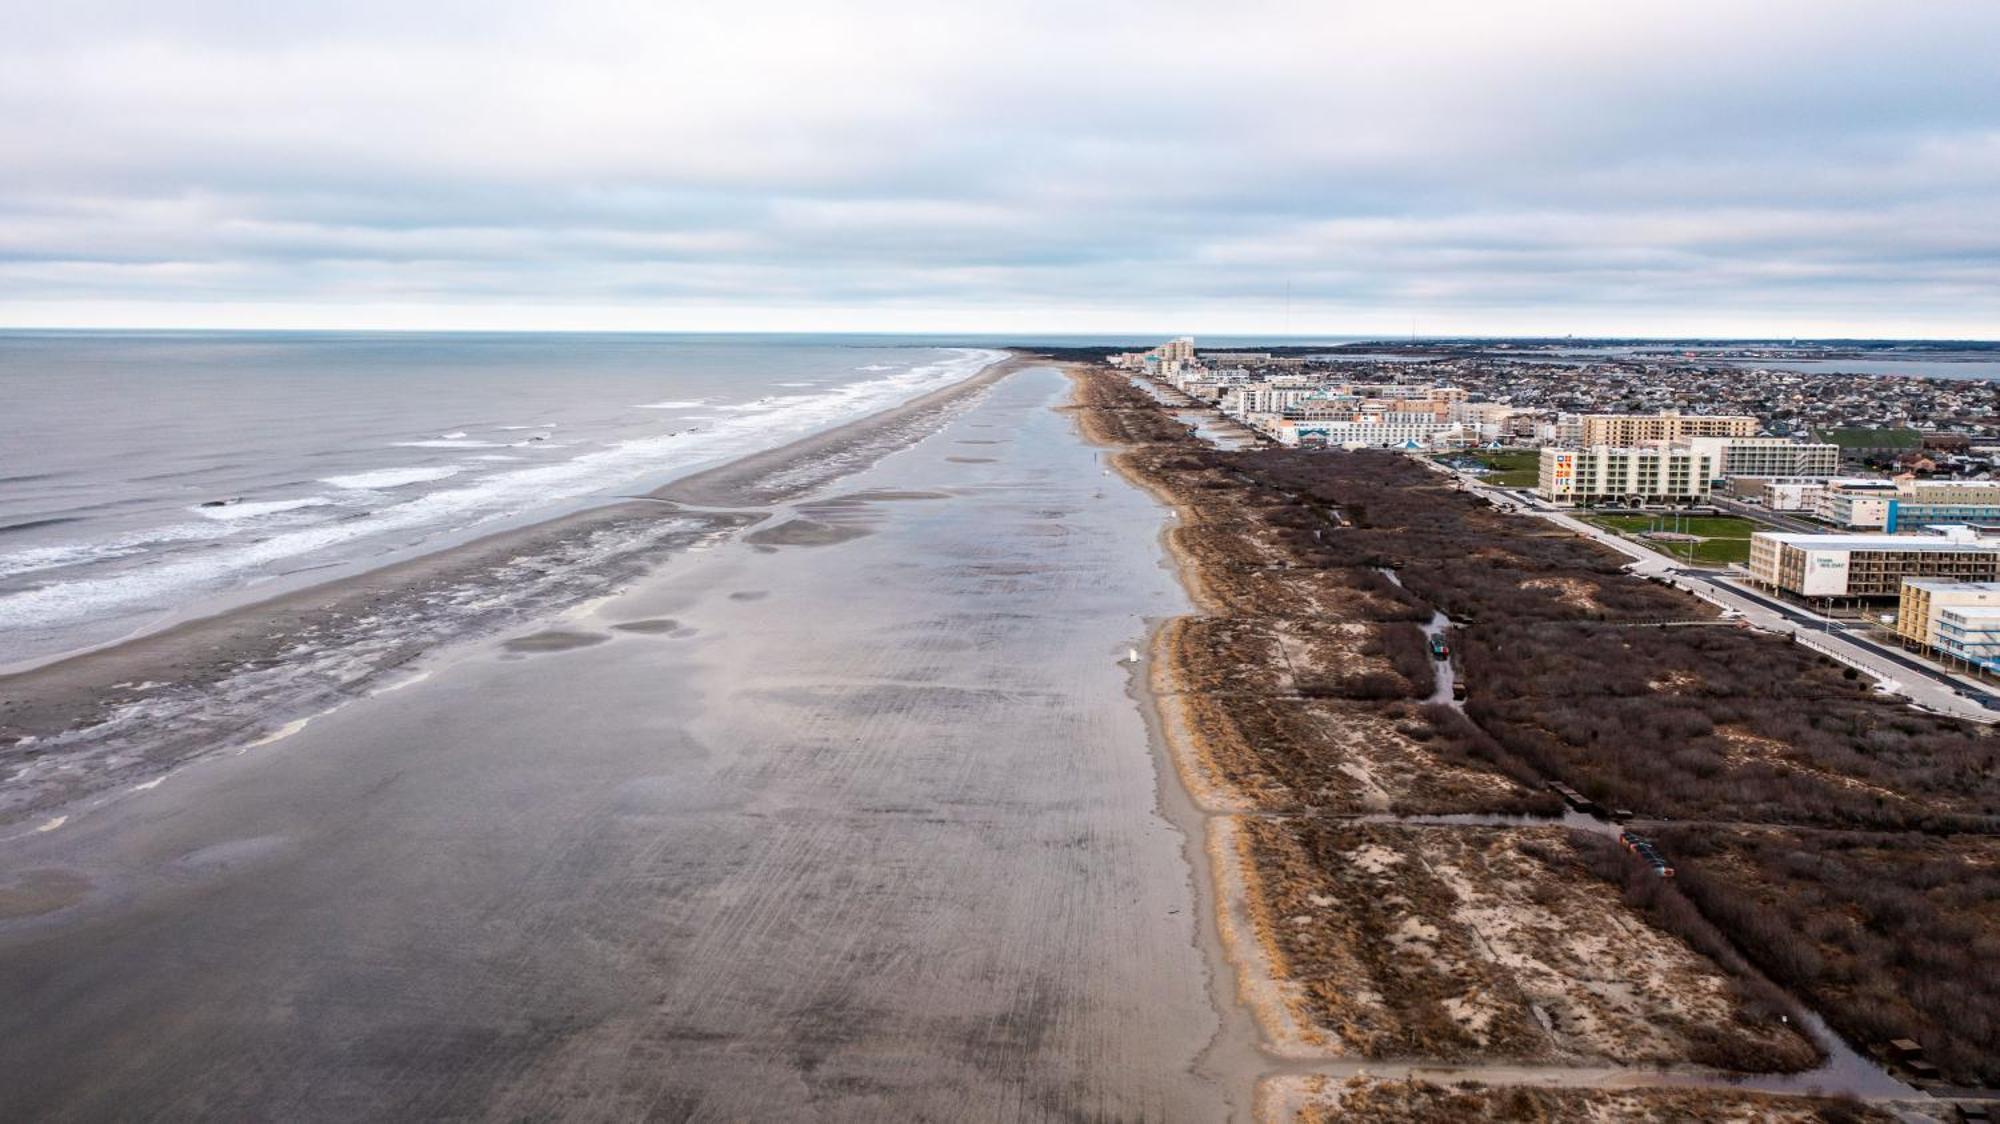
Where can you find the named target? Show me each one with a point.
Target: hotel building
(1652, 474)
(1767, 456)
(1868, 567)
(1959, 620)
(1904, 502)
(1633, 429)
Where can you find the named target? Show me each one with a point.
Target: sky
(1822, 168)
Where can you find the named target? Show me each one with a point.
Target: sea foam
(500, 494)
(254, 509)
(392, 477)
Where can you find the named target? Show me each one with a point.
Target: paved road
(1766, 516)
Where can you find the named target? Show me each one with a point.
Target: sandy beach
(854, 817)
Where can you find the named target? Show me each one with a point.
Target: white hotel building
(1377, 431)
(1767, 456)
(1607, 473)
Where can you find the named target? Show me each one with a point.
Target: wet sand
(855, 826)
(148, 704)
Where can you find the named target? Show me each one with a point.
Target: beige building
(1672, 425)
(1868, 567)
(1923, 599)
(1956, 620)
(1650, 474)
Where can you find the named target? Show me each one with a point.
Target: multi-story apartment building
(1647, 474)
(1366, 433)
(1945, 501)
(1492, 420)
(1868, 567)
(1767, 456)
(1167, 359)
(1971, 634)
(1959, 620)
(1564, 431)
(1922, 599)
(1671, 425)
(1894, 505)
(1855, 503)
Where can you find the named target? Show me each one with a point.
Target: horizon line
(1344, 337)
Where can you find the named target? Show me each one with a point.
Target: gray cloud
(1803, 168)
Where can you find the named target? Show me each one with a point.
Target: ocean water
(146, 475)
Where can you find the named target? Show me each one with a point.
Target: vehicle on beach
(1643, 847)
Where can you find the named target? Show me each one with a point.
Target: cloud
(1784, 167)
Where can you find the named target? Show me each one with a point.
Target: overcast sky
(1655, 168)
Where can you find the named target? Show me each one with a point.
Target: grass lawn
(1506, 468)
(1707, 526)
(1724, 538)
(1720, 551)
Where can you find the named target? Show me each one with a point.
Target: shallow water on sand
(854, 825)
(149, 477)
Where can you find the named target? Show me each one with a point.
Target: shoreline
(102, 718)
(1236, 1054)
(1262, 1033)
(853, 829)
(772, 476)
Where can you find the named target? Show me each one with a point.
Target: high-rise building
(1767, 456)
(1671, 425)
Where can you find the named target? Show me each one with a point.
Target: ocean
(149, 477)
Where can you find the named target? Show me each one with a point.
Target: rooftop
(1962, 538)
(1942, 585)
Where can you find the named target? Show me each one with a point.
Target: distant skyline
(1813, 169)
